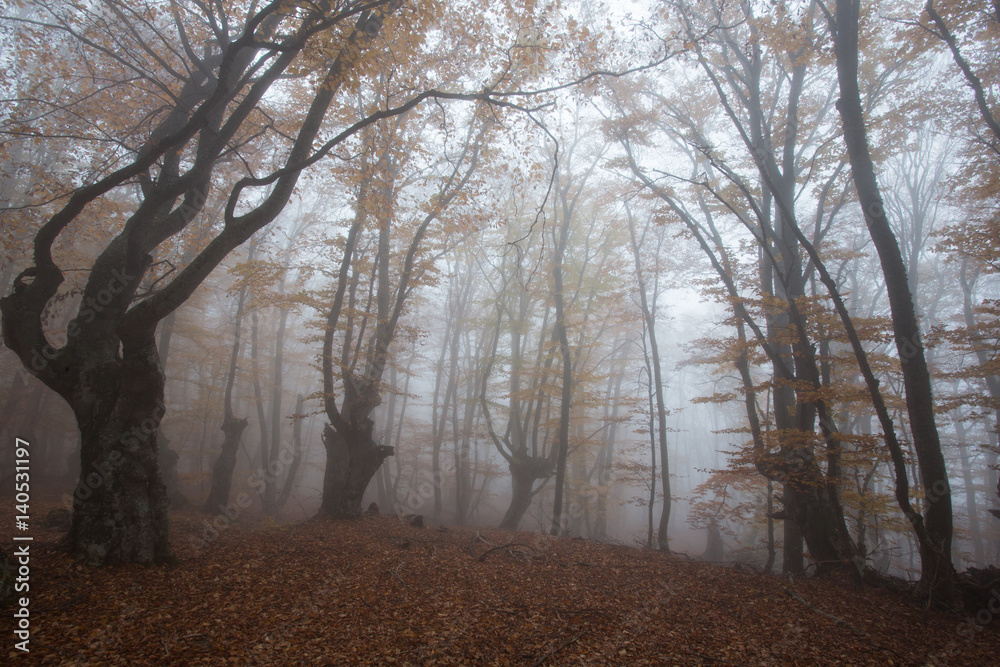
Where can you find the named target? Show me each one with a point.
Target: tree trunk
(439, 413)
(656, 379)
(566, 394)
(464, 474)
(352, 458)
(293, 469)
(792, 555)
(121, 509)
(271, 490)
(222, 472)
(769, 565)
(232, 427)
(971, 504)
(937, 572)
(263, 455)
(523, 476)
(651, 504)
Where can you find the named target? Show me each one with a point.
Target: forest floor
(379, 591)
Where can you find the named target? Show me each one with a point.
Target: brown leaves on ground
(380, 592)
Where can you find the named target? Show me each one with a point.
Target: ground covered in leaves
(379, 591)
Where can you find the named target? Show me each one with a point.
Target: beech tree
(232, 426)
(523, 442)
(198, 108)
(968, 32)
(648, 296)
(763, 201)
(370, 323)
(934, 531)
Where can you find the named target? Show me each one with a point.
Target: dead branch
(395, 572)
(478, 538)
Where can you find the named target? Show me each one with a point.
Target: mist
(702, 279)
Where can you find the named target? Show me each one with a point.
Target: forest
(686, 303)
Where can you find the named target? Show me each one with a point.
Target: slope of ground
(378, 591)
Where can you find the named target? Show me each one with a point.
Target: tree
(353, 456)
(647, 302)
(232, 426)
(935, 535)
(526, 449)
(968, 31)
(775, 140)
(213, 108)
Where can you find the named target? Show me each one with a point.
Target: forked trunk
(520, 501)
(352, 459)
(523, 474)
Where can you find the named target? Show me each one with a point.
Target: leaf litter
(381, 592)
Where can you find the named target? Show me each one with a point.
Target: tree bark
(524, 473)
(352, 458)
(937, 572)
(121, 508)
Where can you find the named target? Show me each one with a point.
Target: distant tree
(232, 426)
(968, 32)
(370, 324)
(762, 201)
(523, 442)
(198, 108)
(648, 297)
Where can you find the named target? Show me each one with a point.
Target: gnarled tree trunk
(524, 472)
(120, 505)
(352, 458)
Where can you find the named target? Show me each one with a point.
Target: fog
(647, 207)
